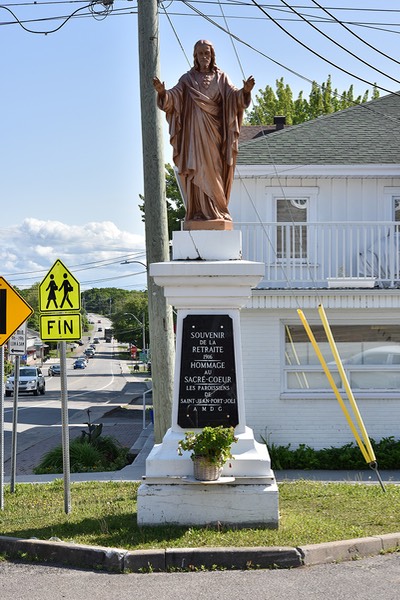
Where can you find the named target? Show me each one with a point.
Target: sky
(70, 132)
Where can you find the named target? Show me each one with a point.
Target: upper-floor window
(291, 216)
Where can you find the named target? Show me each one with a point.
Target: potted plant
(211, 448)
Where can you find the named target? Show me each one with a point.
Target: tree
(322, 100)
(127, 323)
(175, 205)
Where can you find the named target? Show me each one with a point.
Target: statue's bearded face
(203, 55)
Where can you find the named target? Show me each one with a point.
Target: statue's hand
(159, 86)
(249, 84)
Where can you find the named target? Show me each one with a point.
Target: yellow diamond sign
(13, 311)
(59, 291)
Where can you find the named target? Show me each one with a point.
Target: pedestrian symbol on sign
(52, 288)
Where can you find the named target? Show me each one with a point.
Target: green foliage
(175, 205)
(126, 327)
(322, 100)
(212, 443)
(347, 457)
(31, 296)
(98, 455)
(105, 301)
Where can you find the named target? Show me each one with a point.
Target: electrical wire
(317, 53)
(354, 34)
(340, 45)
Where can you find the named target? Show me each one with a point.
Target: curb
(192, 559)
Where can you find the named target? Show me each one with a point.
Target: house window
(370, 355)
(291, 216)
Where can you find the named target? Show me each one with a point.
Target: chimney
(279, 122)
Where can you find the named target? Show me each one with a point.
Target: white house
(319, 204)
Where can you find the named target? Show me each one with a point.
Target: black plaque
(207, 386)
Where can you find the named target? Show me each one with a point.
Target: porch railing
(313, 255)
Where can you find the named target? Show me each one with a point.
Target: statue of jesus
(204, 112)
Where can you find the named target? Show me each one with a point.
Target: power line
(340, 45)
(336, 66)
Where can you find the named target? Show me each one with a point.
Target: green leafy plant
(89, 453)
(347, 457)
(212, 443)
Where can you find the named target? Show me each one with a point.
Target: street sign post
(13, 312)
(60, 320)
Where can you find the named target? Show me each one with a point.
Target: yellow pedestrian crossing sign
(59, 291)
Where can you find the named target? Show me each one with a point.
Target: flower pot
(204, 470)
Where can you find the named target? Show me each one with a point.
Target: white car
(31, 381)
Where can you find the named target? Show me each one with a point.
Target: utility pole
(156, 229)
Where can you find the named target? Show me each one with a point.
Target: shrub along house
(319, 204)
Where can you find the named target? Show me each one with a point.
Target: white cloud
(93, 252)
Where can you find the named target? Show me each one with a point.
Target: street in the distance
(101, 387)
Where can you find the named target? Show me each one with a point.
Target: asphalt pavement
(126, 424)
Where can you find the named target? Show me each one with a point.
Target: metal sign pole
(2, 427)
(65, 427)
(14, 427)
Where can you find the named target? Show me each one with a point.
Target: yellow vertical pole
(345, 381)
(333, 385)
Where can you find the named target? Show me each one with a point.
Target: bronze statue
(204, 112)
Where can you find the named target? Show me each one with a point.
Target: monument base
(245, 495)
(213, 503)
(206, 225)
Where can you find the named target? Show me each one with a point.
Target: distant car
(31, 381)
(99, 329)
(83, 357)
(80, 363)
(96, 340)
(89, 352)
(99, 321)
(54, 370)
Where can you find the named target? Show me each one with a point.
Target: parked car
(31, 381)
(54, 370)
(79, 363)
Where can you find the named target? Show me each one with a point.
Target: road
(369, 579)
(100, 387)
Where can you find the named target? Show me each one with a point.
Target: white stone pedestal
(208, 389)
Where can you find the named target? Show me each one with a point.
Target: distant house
(319, 204)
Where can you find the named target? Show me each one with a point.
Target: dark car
(54, 370)
(80, 363)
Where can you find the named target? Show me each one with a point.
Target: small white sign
(17, 342)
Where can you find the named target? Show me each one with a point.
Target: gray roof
(366, 133)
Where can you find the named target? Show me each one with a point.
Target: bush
(103, 454)
(347, 457)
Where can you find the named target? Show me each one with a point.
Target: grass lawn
(104, 514)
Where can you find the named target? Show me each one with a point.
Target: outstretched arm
(249, 84)
(159, 86)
